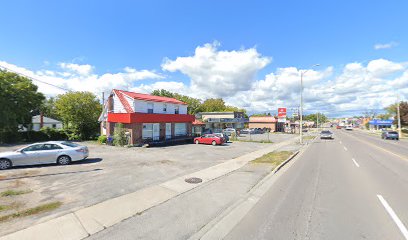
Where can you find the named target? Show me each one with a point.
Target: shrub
(119, 135)
(9, 136)
(54, 134)
(102, 139)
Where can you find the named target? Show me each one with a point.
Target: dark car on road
(389, 135)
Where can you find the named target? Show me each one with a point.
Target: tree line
(20, 101)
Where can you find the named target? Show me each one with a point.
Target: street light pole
(301, 103)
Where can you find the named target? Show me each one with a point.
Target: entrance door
(156, 131)
(168, 130)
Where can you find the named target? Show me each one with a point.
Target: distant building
(264, 122)
(147, 118)
(39, 121)
(216, 121)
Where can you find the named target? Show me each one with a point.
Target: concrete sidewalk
(90, 220)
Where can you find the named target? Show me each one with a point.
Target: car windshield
(325, 132)
(392, 133)
(70, 144)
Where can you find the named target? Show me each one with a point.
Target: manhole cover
(193, 180)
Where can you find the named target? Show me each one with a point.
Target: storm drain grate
(193, 180)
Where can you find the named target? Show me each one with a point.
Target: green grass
(4, 207)
(31, 211)
(274, 158)
(8, 193)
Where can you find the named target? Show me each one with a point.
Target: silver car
(326, 135)
(60, 152)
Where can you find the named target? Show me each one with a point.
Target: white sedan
(59, 152)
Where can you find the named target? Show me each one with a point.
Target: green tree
(79, 111)
(213, 105)
(163, 93)
(392, 111)
(19, 97)
(313, 117)
(48, 108)
(119, 135)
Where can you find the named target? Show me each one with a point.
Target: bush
(102, 139)
(9, 136)
(119, 135)
(54, 134)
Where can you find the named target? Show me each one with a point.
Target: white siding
(117, 105)
(183, 109)
(140, 106)
(170, 108)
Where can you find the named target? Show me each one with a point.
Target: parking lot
(266, 137)
(108, 172)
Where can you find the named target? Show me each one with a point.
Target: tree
(119, 135)
(163, 93)
(18, 99)
(213, 105)
(370, 114)
(79, 111)
(48, 108)
(392, 110)
(313, 117)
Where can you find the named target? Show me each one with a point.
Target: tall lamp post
(399, 117)
(301, 103)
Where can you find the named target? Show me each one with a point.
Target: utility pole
(317, 124)
(399, 117)
(103, 98)
(301, 108)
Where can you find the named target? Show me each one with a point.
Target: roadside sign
(295, 114)
(281, 112)
(282, 120)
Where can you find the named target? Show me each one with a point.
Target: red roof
(148, 97)
(265, 119)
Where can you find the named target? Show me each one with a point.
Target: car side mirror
(20, 150)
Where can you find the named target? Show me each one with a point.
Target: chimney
(41, 120)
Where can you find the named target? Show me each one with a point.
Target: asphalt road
(352, 187)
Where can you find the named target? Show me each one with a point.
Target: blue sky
(112, 35)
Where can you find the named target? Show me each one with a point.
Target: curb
(221, 225)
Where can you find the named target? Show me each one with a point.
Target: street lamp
(301, 102)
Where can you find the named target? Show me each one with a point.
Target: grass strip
(8, 193)
(308, 137)
(274, 158)
(31, 211)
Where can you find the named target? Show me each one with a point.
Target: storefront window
(147, 131)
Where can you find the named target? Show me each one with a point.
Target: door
(156, 131)
(28, 155)
(49, 153)
(168, 130)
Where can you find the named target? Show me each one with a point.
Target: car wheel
(5, 164)
(64, 160)
(397, 139)
(214, 143)
(197, 142)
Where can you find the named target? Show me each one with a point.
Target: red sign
(281, 112)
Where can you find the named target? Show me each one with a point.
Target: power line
(34, 79)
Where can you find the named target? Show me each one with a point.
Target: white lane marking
(355, 162)
(345, 148)
(394, 216)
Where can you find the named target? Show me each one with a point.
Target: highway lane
(347, 188)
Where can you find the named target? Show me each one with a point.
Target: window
(164, 107)
(51, 147)
(147, 131)
(180, 129)
(176, 110)
(70, 144)
(149, 107)
(37, 147)
(54, 125)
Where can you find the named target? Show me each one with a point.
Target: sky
(250, 53)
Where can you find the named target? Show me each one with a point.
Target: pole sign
(281, 112)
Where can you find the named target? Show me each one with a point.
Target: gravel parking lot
(109, 172)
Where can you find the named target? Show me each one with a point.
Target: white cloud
(215, 73)
(80, 78)
(383, 68)
(385, 45)
(84, 69)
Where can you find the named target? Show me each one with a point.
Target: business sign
(281, 120)
(281, 112)
(379, 122)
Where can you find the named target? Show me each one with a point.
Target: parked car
(59, 152)
(390, 135)
(338, 127)
(209, 139)
(245, 131)
(326, 134)
(229, 131)
(222, 135)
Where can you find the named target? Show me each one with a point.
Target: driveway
(109, 172)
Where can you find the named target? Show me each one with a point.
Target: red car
(209, 139)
